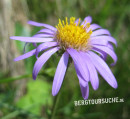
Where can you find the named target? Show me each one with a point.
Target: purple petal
(98, 42)
(108, 51)
(44, 46)
(43, 35)
(101, 53)
(60, 73)
(94, 27)
(79, 62)
(104, 43)
(100, 32)
(31, 39)
(103, 69)
(34, 44)
(85, 91)
(109, 45)
(104, 38)
(87, 19)
(81, 79)
(42, 60)
(92, 72)
(41, 24)
(26, 55)
(77, 21)
(46, 31)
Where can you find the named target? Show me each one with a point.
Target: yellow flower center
(72, 35)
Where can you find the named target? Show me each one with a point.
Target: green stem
(55, 104)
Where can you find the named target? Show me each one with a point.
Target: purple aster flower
(87, 44)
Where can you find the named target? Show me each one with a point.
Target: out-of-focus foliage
(113, 15)
(38, 95)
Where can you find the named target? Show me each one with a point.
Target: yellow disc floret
(73, 35)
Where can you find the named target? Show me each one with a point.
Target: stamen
(63, 22)
(73, 35)
(66, 21)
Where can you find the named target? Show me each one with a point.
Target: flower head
(87, 44)
(73, 35)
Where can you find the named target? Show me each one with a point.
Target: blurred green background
(29, 99)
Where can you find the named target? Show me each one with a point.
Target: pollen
(73, 35)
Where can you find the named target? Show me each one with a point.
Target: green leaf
(38, 95)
